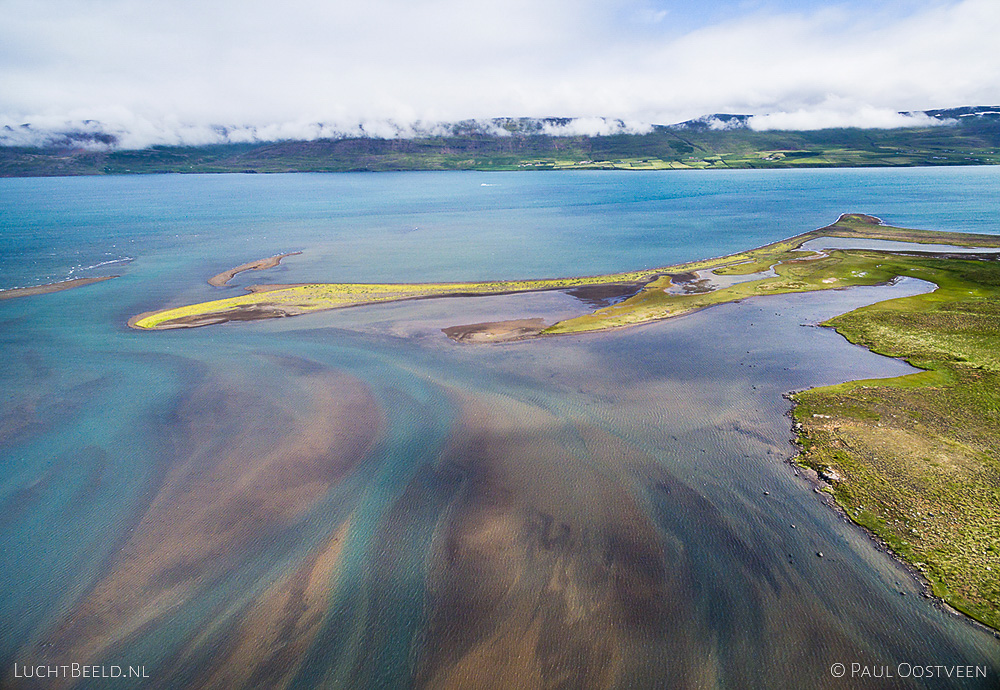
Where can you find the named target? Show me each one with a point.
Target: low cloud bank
(137, 133)
(865, 117)
(594, 127)
(127, 74)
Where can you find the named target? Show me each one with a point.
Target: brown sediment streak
(220, 279)
(271, 641)
(548, 572)
(10, 293)
(250, 466)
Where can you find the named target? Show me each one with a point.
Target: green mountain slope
(972, 141)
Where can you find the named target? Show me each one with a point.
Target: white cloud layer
(857, 116)
(174, 72)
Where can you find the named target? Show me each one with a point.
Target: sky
(175, 71)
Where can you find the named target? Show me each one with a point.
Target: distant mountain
(963, 115)
(715, 122)
(953, 136)
(972, 112)
(93, 135)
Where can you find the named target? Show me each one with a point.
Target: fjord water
(349, 499)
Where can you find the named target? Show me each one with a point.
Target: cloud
(843, 115)
(135, 133)
(595, 126)
(227, 70)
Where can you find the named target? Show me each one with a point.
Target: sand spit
(51, 287)
(495, 331)
(250, 312)
(620, 300)
(220, 279)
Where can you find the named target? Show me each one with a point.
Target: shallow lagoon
(586, 508)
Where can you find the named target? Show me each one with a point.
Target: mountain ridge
(94, 134)
(967, 135)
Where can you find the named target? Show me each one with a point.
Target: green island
(915, 460)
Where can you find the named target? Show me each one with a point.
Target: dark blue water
(182, 465)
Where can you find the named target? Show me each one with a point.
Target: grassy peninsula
(270, 301)
(916, 459)
(794, 270)
(656, 296)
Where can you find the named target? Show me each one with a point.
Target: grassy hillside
(972, 143)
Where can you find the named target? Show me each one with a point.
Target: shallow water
(353, 499)
(889, 246)
(707, 280)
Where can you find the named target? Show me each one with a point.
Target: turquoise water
(115, 444)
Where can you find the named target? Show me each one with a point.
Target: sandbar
(11, 293)
(220, 279)
(619, 300)
(495, 331)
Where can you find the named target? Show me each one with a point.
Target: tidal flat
(349, 498)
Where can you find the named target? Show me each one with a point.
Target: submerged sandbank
(59, 286)
(495, 331)
(220, 279)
